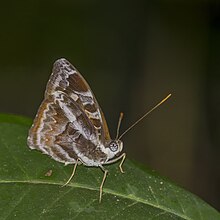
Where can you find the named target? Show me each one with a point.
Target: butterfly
(70, 126)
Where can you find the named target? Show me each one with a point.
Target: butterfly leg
(123, 156)
(122, 161)
(74, 170)
(103, 181)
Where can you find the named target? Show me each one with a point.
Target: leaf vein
(200, 214)
(153, 194)
(53, 203)
(17, 203)
(108, 191)
(83, 209)
(128, 206)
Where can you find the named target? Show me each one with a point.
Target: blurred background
(133, 54)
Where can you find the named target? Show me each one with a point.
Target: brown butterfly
(70, 125)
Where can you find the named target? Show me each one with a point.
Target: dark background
(132, 53)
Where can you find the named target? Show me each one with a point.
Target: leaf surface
(30, 187)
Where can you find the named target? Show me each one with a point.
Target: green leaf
(14, 119)
(27, 193)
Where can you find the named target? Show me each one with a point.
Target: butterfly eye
(113, 146)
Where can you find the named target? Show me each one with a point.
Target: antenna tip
(167, 97)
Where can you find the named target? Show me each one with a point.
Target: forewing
(66, 78)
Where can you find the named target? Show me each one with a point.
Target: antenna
(141, 118)
(119, 124)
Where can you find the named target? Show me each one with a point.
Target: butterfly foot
(67, 182)
(121, 169)
(74, 170)
(64, 184)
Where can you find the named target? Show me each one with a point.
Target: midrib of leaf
(108, 191)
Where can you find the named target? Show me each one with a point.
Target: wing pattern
(69, 123)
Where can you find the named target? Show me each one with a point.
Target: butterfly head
(114, 148)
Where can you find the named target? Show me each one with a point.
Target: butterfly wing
(69, 121)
